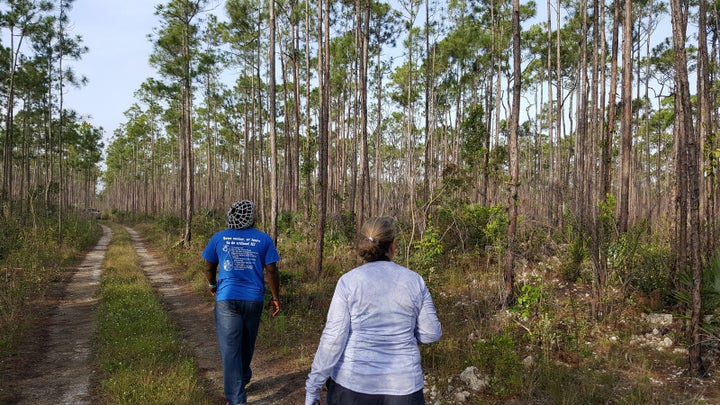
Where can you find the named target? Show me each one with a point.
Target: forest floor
(55, 365)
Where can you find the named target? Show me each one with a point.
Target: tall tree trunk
(610, 127)
(509, 272)
(560, 122)
(308, 133)
(551, 212)
(187, 145)
(9, 143)
(273, 119)
(323, 89)
(364, 22)
(61, 124)
(378, 136)
(293, 205)
(582, 152)
(627, 123)
(427, 163)
(687, 168)
(703, 108)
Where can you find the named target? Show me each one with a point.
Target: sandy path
(273, 382)
(62, 374)
(55, 365)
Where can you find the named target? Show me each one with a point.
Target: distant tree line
(50, 155)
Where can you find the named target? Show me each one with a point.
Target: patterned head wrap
(241, 215)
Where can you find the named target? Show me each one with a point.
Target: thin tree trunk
(295, 188)
(626, 125)
(273, 119)
(551, 212)
(308, 175)
(509, 272)
(323, 89)
(687, 188)
(364, 206)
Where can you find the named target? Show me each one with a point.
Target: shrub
(475, 225)
(169, 223)
(426, 250)
(341, 229)
(207, 222)
(287, 222)
(497, 356)
(425, 255)
(710, 291)
(572, 261)
(530, 301)
(651, 269)
(9, 241)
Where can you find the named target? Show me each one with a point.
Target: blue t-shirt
(241, 255)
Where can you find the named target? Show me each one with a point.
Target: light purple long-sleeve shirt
(379, 314)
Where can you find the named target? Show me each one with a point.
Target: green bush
(530, 300)
(341, 229)
(497, 356)
(426, 251)
(651, 269)
(169, 223)
(9, 231)
(475, 225)
(287, 224)
(425, 255)
(710, 291)
(572, 261)
(206, 222)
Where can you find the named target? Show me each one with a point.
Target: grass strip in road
(138, 348)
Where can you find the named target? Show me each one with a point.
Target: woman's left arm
(428, 329)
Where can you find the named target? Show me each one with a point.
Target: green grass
(138, 349)
(32, 266)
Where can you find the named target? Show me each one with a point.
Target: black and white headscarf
(241, 215)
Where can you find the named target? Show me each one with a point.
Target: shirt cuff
(312, 399)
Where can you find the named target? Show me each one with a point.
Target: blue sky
(115, 31)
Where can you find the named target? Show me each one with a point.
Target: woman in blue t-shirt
(235, 259)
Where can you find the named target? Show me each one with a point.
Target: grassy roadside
(138, 349)
(34, 265)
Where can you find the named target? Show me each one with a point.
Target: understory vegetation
(555, 345)
(36, 254)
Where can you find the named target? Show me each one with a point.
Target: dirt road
(55, 365)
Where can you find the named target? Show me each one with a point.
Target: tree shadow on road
(287, 389)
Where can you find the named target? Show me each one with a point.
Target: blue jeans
(237, 324)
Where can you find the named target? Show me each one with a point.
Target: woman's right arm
(331, 347)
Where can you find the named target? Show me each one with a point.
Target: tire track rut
(55, 366)
(62, 373)
(273, 382)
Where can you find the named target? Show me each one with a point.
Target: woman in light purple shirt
(380, 312)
